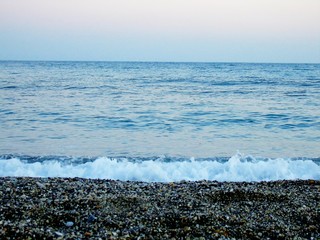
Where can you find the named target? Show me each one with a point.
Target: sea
(160, 121)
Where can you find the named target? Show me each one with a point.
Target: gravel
(76, 208)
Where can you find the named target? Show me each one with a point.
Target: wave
(162, 169)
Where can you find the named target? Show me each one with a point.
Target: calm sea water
(144, 111)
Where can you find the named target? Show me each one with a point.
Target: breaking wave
(162, 169)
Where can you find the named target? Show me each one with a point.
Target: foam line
(234, 169)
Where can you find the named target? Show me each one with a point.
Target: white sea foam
(235, 169)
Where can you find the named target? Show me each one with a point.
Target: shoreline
(60, 208)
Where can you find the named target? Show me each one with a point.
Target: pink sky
(162, 30)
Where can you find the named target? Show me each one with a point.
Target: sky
(161, 30)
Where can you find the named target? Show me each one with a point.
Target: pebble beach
(76, 208)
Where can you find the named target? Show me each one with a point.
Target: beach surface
(76, 208)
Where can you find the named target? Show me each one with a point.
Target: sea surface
(151, 121)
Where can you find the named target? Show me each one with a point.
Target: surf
(162, 169)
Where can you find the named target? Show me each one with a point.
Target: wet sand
(75, 208)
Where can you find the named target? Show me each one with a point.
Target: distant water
(160, 121)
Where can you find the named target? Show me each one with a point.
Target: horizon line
(158, 61)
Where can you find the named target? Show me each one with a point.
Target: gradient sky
(161, 30)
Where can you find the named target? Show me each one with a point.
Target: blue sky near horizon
(161, 30)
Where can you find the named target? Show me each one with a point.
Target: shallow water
(147, 110)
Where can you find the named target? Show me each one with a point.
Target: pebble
(40, 185)
(58, 234)
(108, 209)
(91, 218)
(69, 224)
